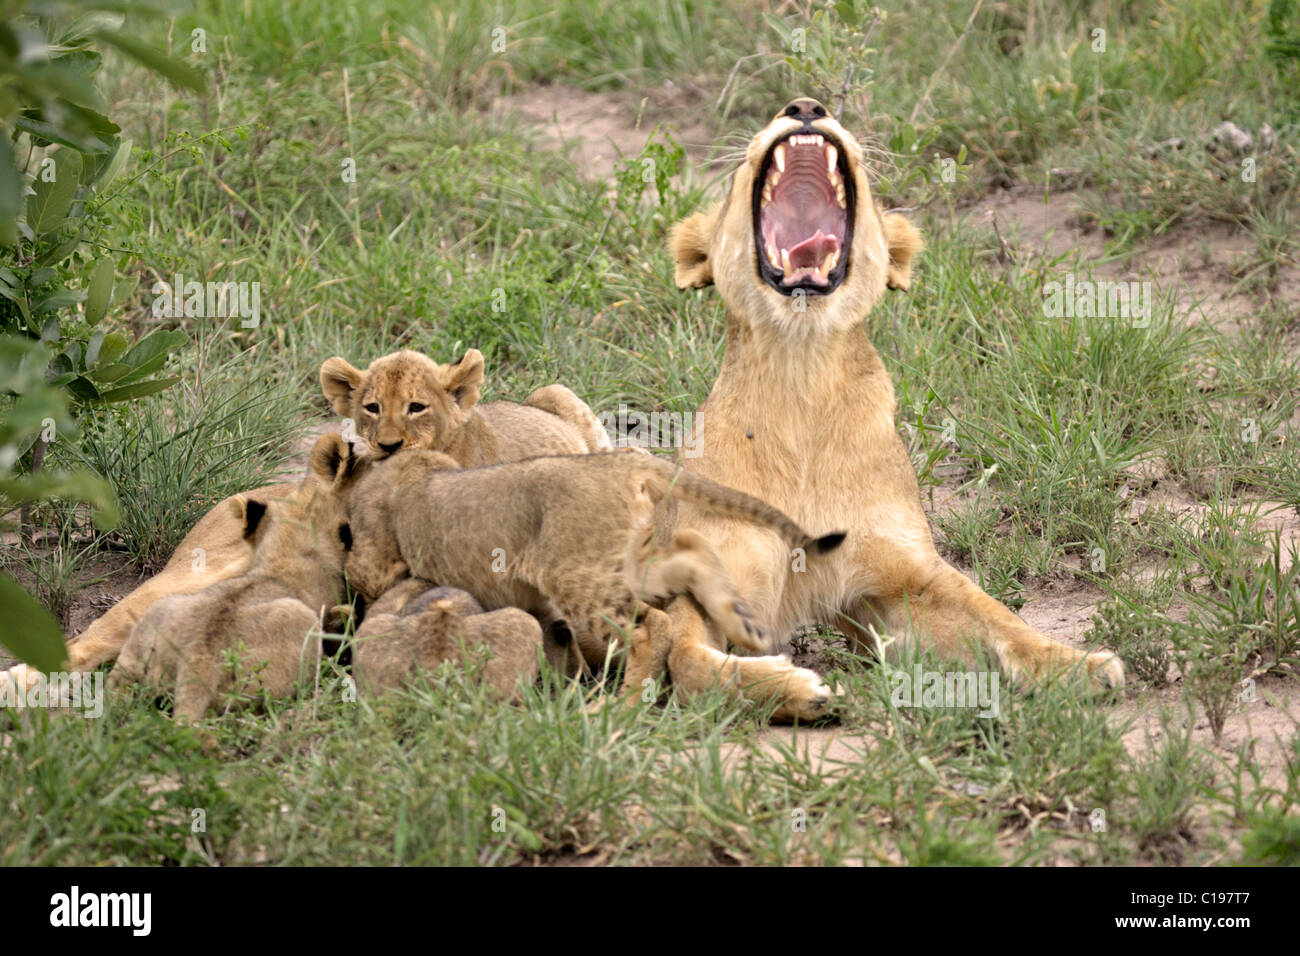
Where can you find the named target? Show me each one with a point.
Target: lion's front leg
(931, 601)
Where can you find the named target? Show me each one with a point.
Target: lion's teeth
(772, 257)
(832, 154)
(840, 196)
(785, 261)
(774, 179)
(829, 263)
(779, 157)
(767, 194)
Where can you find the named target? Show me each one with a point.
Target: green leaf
(103, 169)
(49, 202)
(114, 347)
(45, 133)
(30, 633)
(74, 485)
(137, 390)
(99, 290)
(56, 301)
(108, 372)
(11, 194)
(182, 74)
(155, 344)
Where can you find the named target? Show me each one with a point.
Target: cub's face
(404, 400)
(798, 245)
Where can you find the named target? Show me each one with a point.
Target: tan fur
(552, 420)
(570, 538)
(816, 398)
(406, 400)
(414, 627)
(269, 616)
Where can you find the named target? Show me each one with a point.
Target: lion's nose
(391, 447)
(805, 110)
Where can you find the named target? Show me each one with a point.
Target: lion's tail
(667, 480)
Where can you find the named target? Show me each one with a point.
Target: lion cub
(570, 537)
(415, 626)
(406, 400)
(270, 616)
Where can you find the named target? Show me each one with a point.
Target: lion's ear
(338, 380)
(249, 512)
(333, 460)
(688, 244)
(465, 378)
(904, 242)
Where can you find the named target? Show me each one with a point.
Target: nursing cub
(570, 537)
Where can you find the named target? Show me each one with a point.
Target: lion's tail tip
(826, 543)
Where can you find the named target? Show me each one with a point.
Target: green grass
(461, 230)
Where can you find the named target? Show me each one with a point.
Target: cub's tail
(667, 480)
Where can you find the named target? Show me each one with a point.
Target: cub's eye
(372, 408)
(415, 407)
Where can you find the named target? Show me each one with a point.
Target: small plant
(1138, 636)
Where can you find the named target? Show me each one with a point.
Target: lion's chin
(803, 206)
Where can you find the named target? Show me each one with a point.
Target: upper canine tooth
(779, 157)
(772, 257)
(832, 154)
(785, 261)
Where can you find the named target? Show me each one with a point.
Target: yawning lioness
(802, 416)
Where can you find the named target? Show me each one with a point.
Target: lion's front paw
(1105, 671)
(807, 698)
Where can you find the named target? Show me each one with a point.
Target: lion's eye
(415, 407)
(372, 408)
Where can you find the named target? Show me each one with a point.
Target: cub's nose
(391, 447)
(805, 110)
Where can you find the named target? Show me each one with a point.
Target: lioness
(802, 416)
(415, 627)
(569, 538)
(270, 615)
(552, 420)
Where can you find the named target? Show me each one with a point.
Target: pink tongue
(812, 252)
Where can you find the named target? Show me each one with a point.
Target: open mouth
(803, 215)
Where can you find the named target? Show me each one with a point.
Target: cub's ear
(688, 244)
(249, 512)
(338, 380)
(904, 242)
(333, 460)
(465, 378)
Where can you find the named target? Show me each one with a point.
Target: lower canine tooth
(829, 263)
